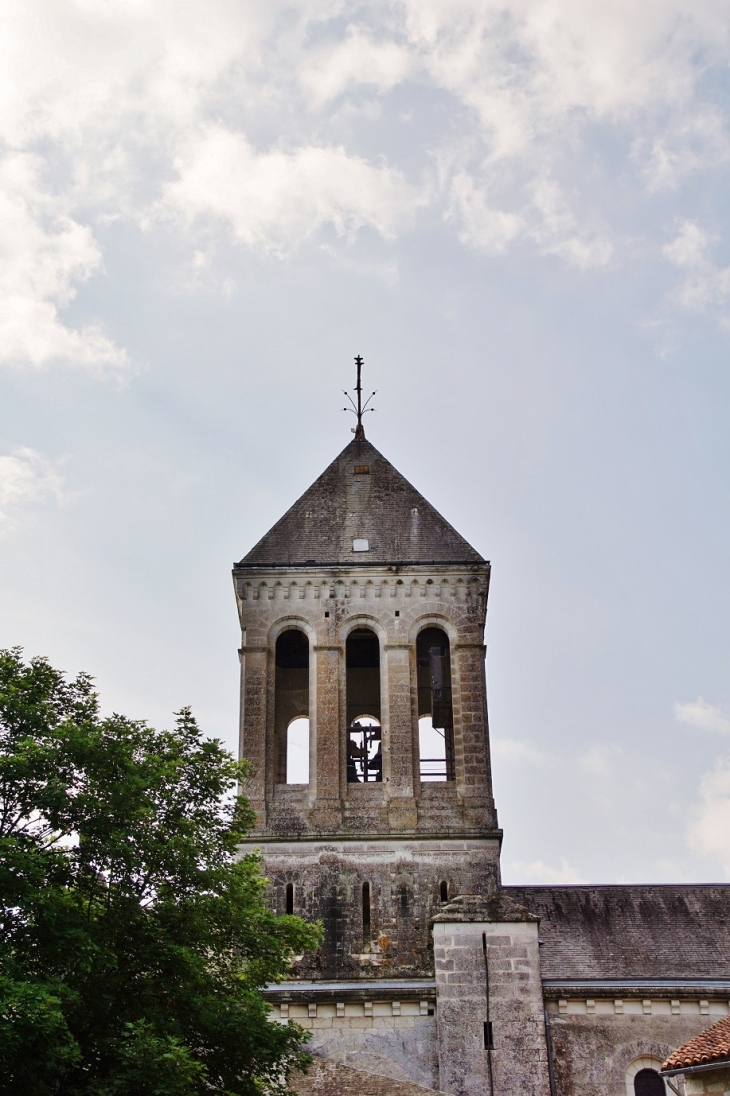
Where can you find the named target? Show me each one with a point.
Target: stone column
(326, 815)
(519, 1064)
(471, 744)
(396, 691)
(254, 684)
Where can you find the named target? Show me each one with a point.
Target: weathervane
(359, 408)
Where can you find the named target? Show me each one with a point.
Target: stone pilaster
(253, 723)
(326, 813)
(471, 740)
(399, 772)
(499, 985)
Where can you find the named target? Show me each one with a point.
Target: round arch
(646, 1061)
(287, 623)
(433, 620)
(363, 620)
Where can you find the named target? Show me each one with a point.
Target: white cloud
(26, 477)
(564, 61)
(706, 286)
(694, 140)
(253, 116)
(698, 713)
(44, 253)
(709, 830)
(598, 760)
(489, 230)
(559, 233)
(544, 217)
(358, 58)
(537, 871)
(275, 200)
(521, 753)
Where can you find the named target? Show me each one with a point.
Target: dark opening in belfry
(364, 737)
(435, 710)
(291, 708)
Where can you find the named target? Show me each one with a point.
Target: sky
(519, 215)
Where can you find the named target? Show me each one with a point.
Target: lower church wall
(392, 1040)
(398, 1020)
(328, 1078)
(594, 1051)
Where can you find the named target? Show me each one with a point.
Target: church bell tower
(364, 718)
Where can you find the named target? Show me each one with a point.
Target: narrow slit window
(291, 708)
(366, 915)
(290, 898)
(488, 1035)
(364, 732)
(444, 890)
(435, 710)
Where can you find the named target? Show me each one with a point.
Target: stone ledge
(392, 990)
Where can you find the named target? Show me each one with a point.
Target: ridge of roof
(361, 496)
(711, 1045)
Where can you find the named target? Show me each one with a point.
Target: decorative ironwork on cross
(359, 408)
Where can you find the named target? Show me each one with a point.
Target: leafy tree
(133, 943)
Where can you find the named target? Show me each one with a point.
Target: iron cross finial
(359, 408)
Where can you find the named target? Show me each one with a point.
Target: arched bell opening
(435, 708)
(364, 732)
(291, 708)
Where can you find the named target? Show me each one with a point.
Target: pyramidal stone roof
(361, 498)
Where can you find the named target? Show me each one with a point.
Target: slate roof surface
(380, 506)
(712, 1045)
(613, 932)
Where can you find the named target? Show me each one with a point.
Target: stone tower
(364, 717)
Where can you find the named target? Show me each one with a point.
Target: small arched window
(291, 708)
(647, 1082)
(364, 735)
(643, 1078)
(435, 709)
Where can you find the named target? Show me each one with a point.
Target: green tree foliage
(133, 943)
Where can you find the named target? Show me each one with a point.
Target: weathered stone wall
(404, 877)
(402, 836)
(393, 1039)
(595, 1041)
(329, 1078)
(714, 1081)
(396, 603)
(518, 1061)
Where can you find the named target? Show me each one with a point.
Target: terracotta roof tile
(712, 1045)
